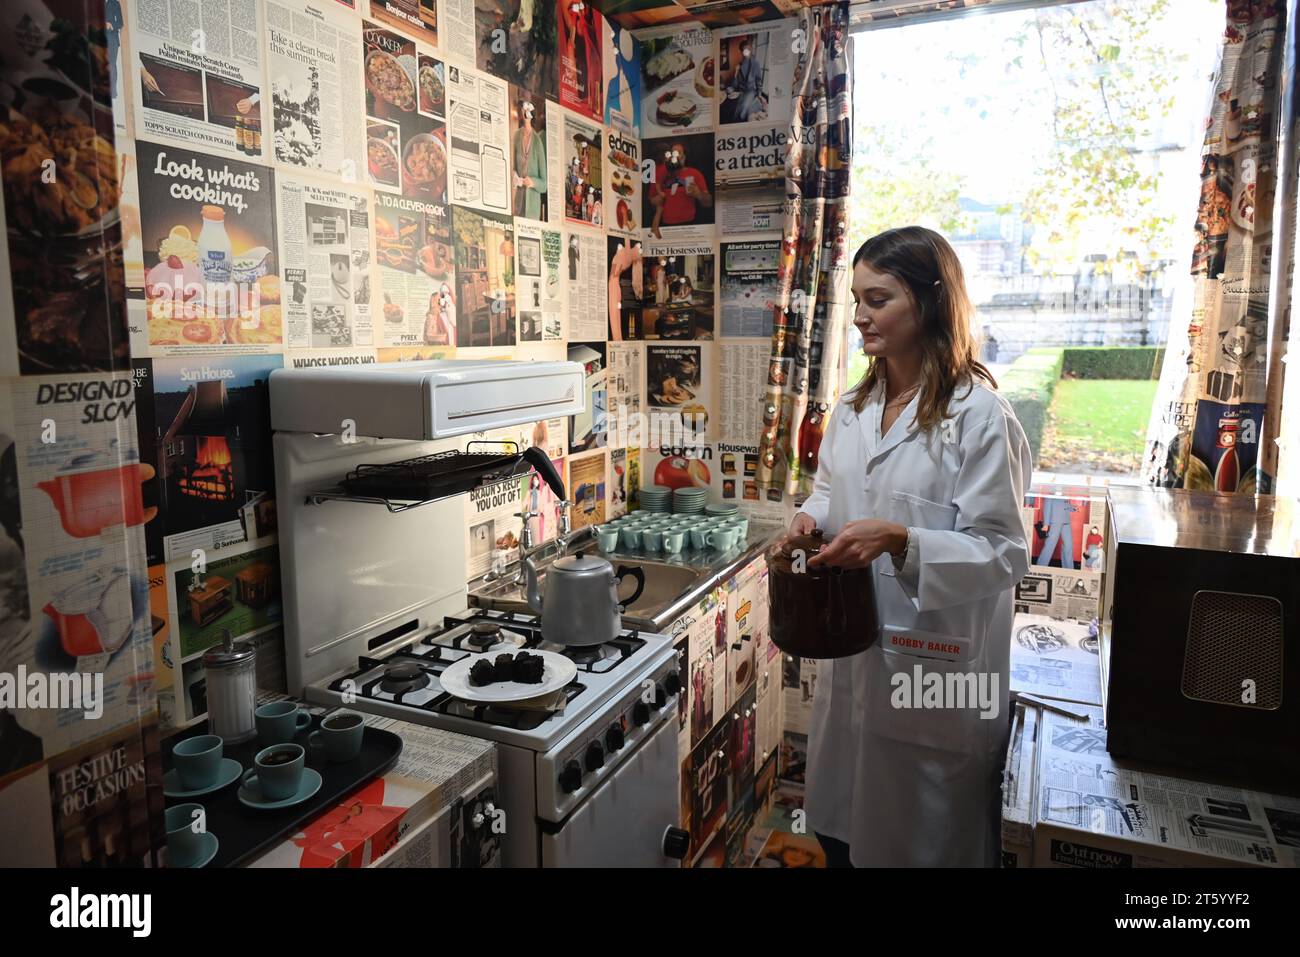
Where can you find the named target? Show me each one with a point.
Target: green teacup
(340, 736)
(278, 770)
(184, 840)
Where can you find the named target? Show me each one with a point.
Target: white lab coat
(920, 786)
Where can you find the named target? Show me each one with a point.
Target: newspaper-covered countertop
(1091, 812)
(1055, 658)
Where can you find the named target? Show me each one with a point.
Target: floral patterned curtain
(1219, 406)
(811, 309)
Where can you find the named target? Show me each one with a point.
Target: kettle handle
(837, 617)
(639, 575)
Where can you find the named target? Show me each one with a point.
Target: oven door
(622, 823)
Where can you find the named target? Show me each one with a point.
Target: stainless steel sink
(672, 585)
(664, 584)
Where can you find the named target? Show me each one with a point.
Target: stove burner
(403, 676)
(484, 634)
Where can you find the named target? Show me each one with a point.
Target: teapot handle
(639, 575)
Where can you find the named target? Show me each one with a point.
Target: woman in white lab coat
(922, 473)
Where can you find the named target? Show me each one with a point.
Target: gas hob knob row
(571, 777)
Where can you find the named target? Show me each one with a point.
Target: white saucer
(250, 794)
(226, 776)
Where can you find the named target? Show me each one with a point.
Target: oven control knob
(676, 843)
(673, 682)
(594, 759)
(571, 777)
(614, 738)
(640, 713)
(661, 698)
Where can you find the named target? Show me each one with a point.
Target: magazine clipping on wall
(680, 382)
(617, 482)
(622, 62)
(313, 60)
(406, 142)
(419, 18)
(478, 118)
(626, 287)
(750, 288)
(540, 283)
(622, 183)
(196, 76)
(325, 263)
(325, 358)
(417, 276)
(584, 182)
(517, 42)
(493, 525)
(678, 200)
(678, 76)
(52, 235)
(586, 269)
(588, 429)
(209, 236)
(726, 469)
(680, 281)
(588, 488)
(755, 72)
(581, 45)
(212, 433)
(66, 436)
(625, 387)
(1066, 531)
(743, 210)
(238, 591)
(1208, 432)
(530, 173)
(748, 363)
(485, 278)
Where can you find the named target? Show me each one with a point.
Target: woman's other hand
(802, 524)
(860, 543)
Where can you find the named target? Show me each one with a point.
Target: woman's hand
(860, 543)
(802, 524)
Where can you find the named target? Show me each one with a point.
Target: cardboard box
(1018, 789)
(435, 767)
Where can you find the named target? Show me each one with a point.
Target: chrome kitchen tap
(563, 530)
(525, 542)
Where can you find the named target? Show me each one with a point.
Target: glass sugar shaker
(231, 672)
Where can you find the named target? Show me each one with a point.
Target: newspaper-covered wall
(1208, 422)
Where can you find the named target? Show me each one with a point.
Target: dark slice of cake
(504, 667)
(482, 673)
(529, 668)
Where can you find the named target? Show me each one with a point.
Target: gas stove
(405, 682)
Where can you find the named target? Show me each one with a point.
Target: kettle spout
(533, 593)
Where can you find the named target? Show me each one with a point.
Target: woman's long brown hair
(929, 270)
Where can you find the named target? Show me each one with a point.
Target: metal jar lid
(228, 654)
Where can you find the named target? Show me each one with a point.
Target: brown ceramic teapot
(818, 611)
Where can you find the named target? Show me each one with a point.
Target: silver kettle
(581, 605)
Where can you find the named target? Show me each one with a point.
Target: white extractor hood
(424, 400)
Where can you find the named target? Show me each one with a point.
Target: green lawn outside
(1099, 418)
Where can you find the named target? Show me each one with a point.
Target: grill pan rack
(410, 483)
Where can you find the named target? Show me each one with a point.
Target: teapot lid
(581, 564)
